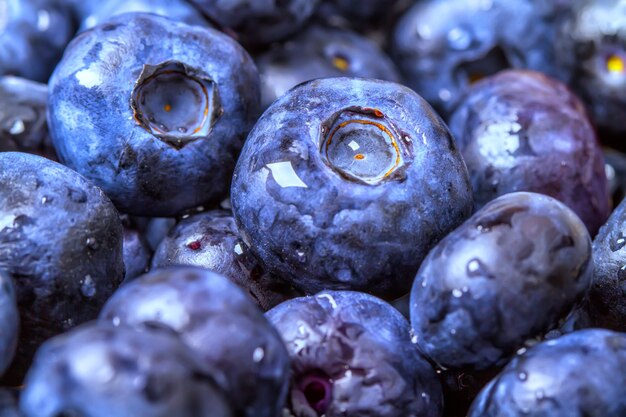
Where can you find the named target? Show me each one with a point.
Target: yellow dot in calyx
(359, 156)
(341, 63)
(615, 64)
(167, 108)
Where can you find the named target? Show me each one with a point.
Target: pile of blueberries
(312, 208)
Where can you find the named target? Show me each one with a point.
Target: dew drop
(522, 376)
(88, 287)
(540, 394)
(17, 127)
(457, 293)
(459, 39)
(258, 355)
(116, 321)
(92, 243)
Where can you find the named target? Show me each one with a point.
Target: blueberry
(137, 252)
(157, 229)
(61, 241)
(352, 355)
(346, 184)
(156, 124)
(259, 22)
(210, 240)
(442, 46)
(9, 321)
(522, 131)
(320, 52)
(8, 403)
(23, 117)
(579, 374)
(178, 10)
(33, 34)
(99, 370)
(607, 304)
(592, 48)
(506, 275)
(215, 318)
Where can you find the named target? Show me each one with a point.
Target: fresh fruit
(61, 241)
(352, 356)
(220, 323)
(346, 184)
(156, 124)
(210, 240)
(523, 131)
(508, 274)
(579, 374)
(443, 46)
(320, 52)
(99, 370)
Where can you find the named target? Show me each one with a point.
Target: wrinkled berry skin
(161, 120)
(23, 125)
(99, 370)
(508, 274)
(607, 302)
(579, 374)
(442, 46)
(325, 200)
(9, 320)
(344, 366)
(522, 131)
(258, 22)
(178, 10)
(33, 34)
(61, 241)
(592, 48)
(320, 52)
(220, 323)
(210, 240)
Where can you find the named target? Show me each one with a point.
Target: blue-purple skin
(178, 10)
(607, 297)
(352, 356)
(442, 46)
(99, 370)
(523, 131)
(220, 323)
(33, 34)
(579, 374)
(258, 22)
(322, 223)
(588, 39)
(210, 240)
(508, 274)
(9, 320)
(23, 124)
(320, 52)
(137, 252)
(157, 123)
(8, 402)
(156, 230)
(61, 241)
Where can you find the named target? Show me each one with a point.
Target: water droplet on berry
(459, 39)
(457, 293)
(522, 376)
(87, 286)
(258, 354)
(92, 243)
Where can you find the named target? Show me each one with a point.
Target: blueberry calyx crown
(363, 145)
(176, 103)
